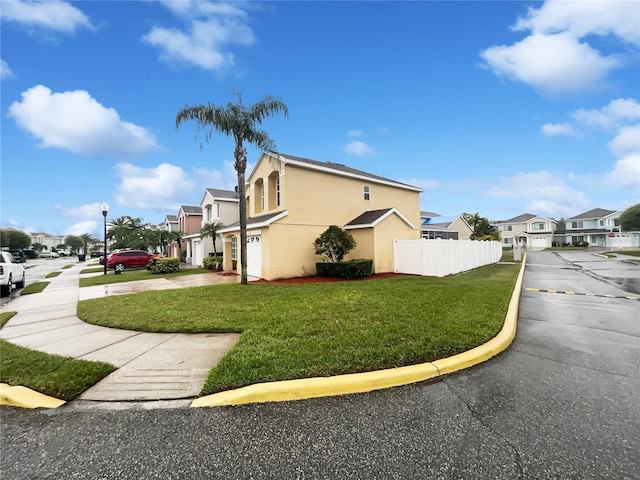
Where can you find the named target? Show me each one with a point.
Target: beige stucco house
(291, 202)
(437, 227)
(219, 206)
(527, 230)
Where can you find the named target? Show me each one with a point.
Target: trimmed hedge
(348, 270)
(163, 265)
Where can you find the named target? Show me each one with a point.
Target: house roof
(525, 217)
(256, 222)
(191, 210)
(171, 218)
(371, 218)
(436, 226)
(595, 213)
(217, 193)
(339, 169)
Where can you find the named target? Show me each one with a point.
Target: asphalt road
(561, 403)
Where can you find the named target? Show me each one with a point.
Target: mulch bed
(316, 279)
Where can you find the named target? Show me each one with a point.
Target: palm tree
(87, 238)
(211, 230)
(241, 122)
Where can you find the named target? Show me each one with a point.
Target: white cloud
(354, 133)
(211, 28)
(552, 63)
(582, 18)
(541, 193)
(555, 56)
(89, 226)
(225, 179)
(626, 174)
(612, 116)
(51, 15)
(554, 129)
(626, 142)
(358, 148)
(76, 122)
(162, 188)
(5, 71)
(83, 212)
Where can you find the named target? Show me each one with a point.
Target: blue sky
(500, 108)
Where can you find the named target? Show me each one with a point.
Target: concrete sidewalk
(152, 366)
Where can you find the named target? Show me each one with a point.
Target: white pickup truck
(10, 273)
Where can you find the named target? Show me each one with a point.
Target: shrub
(163, 265)
(348, 270)
(334, 243)
(212, 263)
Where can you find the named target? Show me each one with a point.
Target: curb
(365, 382)
(24, 397)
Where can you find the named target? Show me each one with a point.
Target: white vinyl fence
(439, 258)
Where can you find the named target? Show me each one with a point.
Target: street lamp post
(105, 210)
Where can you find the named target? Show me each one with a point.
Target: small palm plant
(211, 230)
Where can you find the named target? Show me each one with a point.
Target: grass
(92, 270)
(507, 255)
(133, 275)
(297, 331)
(52, 274)
(36, 287)
(54, 375)
(633, 253)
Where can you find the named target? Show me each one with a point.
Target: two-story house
(218, 206)
(599, 228)
(290, 203)
(47, 240)
(189, 221)
(527, 230)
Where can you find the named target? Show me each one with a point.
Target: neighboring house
(599, 228)
(527, 230)
(217, 206)
(454, 228)
(290, 205)
(47, 240)
(189, 221)
(170, 224)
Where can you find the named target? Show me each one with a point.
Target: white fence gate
(439, 258)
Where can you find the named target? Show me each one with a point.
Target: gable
(372, 218)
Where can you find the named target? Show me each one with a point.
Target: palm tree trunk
(241, 167)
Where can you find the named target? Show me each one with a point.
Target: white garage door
(539, 242)
(254, 256)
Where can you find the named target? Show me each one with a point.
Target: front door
(254, 256)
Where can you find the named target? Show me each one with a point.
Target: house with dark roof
(189, 221)
(446, 228)
(599, 228)
(291, 201)
(527, 230)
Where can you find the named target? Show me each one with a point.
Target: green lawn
(36, 287)
(54, 375)
(297, 331)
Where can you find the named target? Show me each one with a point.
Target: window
(508, 241)
(538, 226)
(601, 223)
(508, 228)
(234, 248)
(278, 191)
(576, 224)
(367, 192)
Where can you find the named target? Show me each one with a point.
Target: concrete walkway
(152, 366)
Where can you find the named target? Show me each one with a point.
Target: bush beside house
(163, 265)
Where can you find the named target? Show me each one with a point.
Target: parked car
(29, 253)
(18, 256)
(129, 259)
(96, 254)
(10, 273)
(45, 254)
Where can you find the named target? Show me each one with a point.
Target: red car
(129, 259)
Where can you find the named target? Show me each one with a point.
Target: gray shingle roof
(436, 226)
(217, 193)
(171, 218)
(520, 218)
(367, 218)
(343, 169)
(191, 210)
(254, 220)
(595, 213)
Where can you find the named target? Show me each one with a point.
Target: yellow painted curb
(17, 396)
(366, 382)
